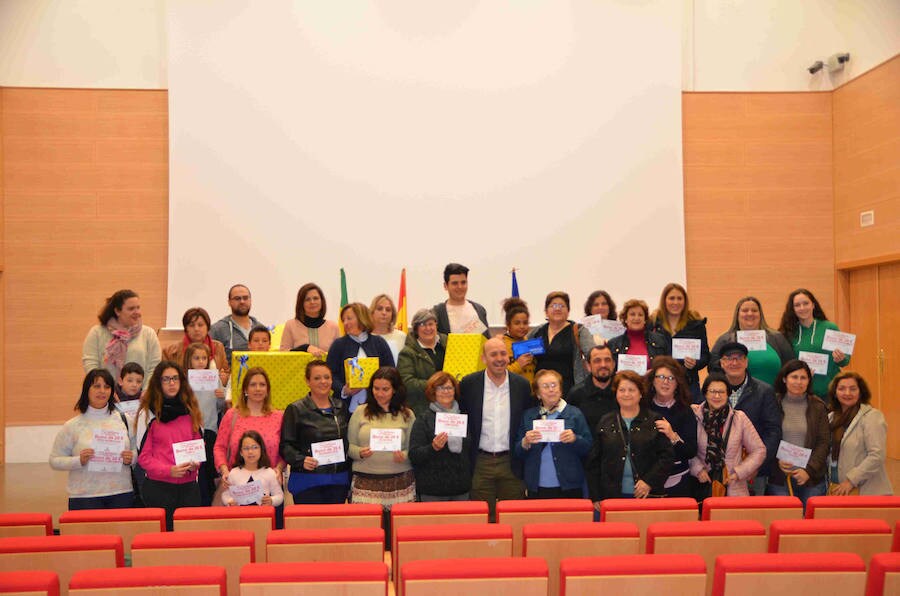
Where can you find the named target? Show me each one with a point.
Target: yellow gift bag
(358, 372)
(463, 355)
(286, 370)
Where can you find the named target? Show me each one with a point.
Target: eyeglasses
(668, 378)
(733, 358)
(553, 385)
(445, 389)
(173, 379)
(557, 306)
(716, 392)
(250, 448)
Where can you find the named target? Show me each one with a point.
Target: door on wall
(873, 294)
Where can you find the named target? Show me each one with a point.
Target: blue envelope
(534, 347)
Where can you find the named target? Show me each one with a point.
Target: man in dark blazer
(495, 400)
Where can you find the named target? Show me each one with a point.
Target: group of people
(564, 420)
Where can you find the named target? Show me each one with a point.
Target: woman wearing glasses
(564, 342)
(554, 465)
(724, 435)
(440, 461)
(669, 395)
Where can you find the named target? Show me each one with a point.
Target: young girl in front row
(253, 465)
(197, 357)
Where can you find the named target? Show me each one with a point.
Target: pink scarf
(114, 356)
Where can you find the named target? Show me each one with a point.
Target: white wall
(767, 45)
(118, 44)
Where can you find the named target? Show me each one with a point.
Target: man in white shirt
(234, 330)
(495, 400)
(456, 314)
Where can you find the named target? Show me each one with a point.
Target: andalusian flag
(343, 298)
(515, 285)
(401, 304)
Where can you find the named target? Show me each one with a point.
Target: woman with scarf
(196, 330)
(308, 331)
(169, 485)
(554, 469)
(723, 434)
(120, 337)
(858, 439)
(357, 342)
(440, 462)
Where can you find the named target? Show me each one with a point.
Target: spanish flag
(402, 317)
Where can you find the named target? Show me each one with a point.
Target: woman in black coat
(440, 462)
(630, 458)
(674, 319)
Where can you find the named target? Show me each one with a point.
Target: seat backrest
(36, 583)
(260, 520)
(346, 515)
(554, 542)
(681, 575)
(859, 507)
(25, 524)
(436, 513)
(884, 574)
(506, 576)
(643, 512)
(765, 510)
(360, 578)
(865, 537)
(127, 523)
(196, 580)
(63, 555)
(834, 574)
(334, 544)
(518, 513)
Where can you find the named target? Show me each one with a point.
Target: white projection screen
(378, 135)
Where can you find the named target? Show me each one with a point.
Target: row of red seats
(838, 574)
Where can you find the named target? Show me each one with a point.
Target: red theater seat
(644, 512)
(459, 541)
(230, 549)
(25, 524)
(360, 578)
(834, 574)
(260, 520)
(520, 512)
(884, 575)
(509, 576)
(127, 523)
(554, 542)
(39, 583)
(857, 507)
(62, 554)
(196, 580)
(346, 515)
(335, 544)
(424, 514)
(672, 575)
(765, 510)
(865, 537)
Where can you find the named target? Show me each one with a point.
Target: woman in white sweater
(95, 449)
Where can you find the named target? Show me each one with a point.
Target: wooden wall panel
(86, 213)
(758, 200)
(2, 294)
(867, 166)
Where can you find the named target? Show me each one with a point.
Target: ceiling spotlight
(816, 67)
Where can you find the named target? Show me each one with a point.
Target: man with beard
(234, 330)
(594, 396)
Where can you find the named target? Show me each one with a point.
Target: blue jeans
(119, 501)
(801, 492)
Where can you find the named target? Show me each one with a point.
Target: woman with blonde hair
(384, 318)
(674, 319)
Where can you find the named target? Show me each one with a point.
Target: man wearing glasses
(234, 330)
(757, 400)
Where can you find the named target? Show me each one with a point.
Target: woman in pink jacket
(723, 434)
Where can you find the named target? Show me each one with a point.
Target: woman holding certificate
(314, 442)
(724, 436)
(599, 302)
(173, 446)
(553, 441)
(768, 349)
(95, 449)
(358, 341)
(804, 424)
(804, 324)
(378, 436)
(439, 445)
(564, 342)
(686, 331)
(634, 349)
(631, 458)
(858, 439)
